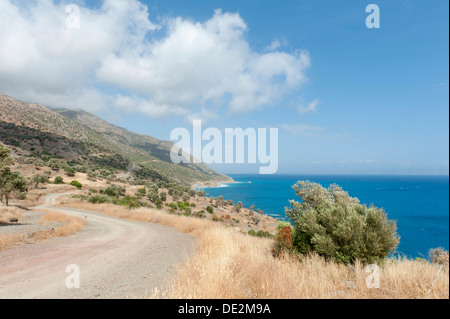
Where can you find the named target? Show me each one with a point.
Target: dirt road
(116, 258)
(128, 173)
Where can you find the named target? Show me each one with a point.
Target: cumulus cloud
(120, 59)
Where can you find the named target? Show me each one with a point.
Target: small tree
(11, 182)
(5, 156)
(335, 225)
(35, 180)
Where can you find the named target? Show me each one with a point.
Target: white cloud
(276, 44)
(311, 108)
(187, 68)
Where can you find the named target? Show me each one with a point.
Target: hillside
(82, 139)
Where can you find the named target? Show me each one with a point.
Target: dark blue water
(419, 204)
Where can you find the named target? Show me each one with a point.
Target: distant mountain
(80, 137)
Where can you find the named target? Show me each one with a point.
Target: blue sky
(367, 101)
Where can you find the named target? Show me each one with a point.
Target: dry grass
(8, 212)
(70, 226)
(181, 223)
(231, 265)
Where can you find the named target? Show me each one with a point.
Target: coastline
(207, 184)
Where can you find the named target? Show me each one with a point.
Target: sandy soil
(116, 258)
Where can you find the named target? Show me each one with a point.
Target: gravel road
(116, 259)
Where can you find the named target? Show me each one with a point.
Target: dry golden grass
(7, 212)
(231, 265)
(70, 226)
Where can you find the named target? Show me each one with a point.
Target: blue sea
(419, 204)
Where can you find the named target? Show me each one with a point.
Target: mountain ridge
(36, 130)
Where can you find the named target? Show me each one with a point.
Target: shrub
(201, 193)
(70, 171)
(283, 241)
(97, 199)
(141, 192)
(200, 214)
(438, 256)
(77, 184)
(163, 196)
(58, 180)
(336, 226)
(282, 224)
(260, 233)
(191, 192)
(129, 201)
(115, 190)
(210, 209)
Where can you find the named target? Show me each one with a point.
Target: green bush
(97, 199)
(58, 180)
(336, 226)
(154, 197)
(77, 184)
(260, 233)
(210, 209)
(128, 201)
(70, 171)
(115, 190)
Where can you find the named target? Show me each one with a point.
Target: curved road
(116, 258)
